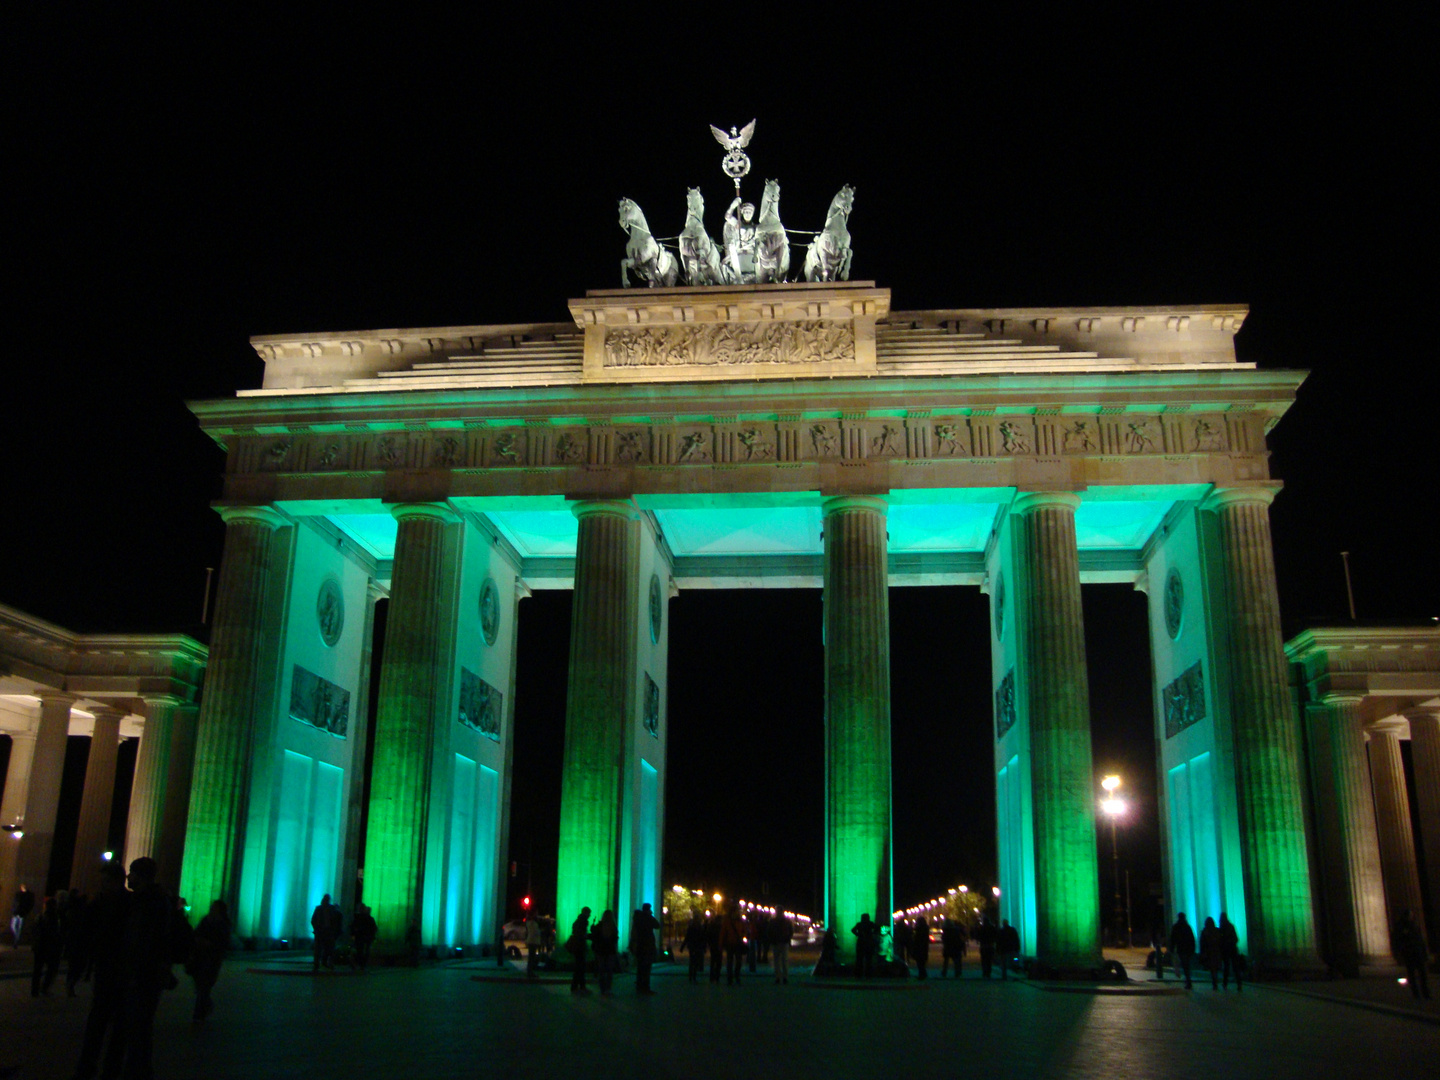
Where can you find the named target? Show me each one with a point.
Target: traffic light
(525, 903)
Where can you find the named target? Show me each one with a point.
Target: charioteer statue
(756, 247)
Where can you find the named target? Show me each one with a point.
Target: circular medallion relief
(999, 605)
(1174, 602)
(489, 611)
(330, 611)
(657, 608)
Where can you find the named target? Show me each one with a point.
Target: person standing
(46, 946)
(713, 931)
(534, 941)
(575, 946)
(24, 904)
(326, 924)
(781, 930)
(952, 946)
(694, 944)
(1007, 940)
(1210, 951)
(107, 916)
(1182, 944)
(985, 936)
(147, 963)
(1157, 942)
(606, 941)
(75, 930)
(1229, 952)
(1410, 940)
(212, 940)
(643, 925)
(866, 942)
(362, 932)
(920, 947)
(732, 940)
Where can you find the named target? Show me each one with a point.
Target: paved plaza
(442, 1021)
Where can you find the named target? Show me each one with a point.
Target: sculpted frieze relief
(816, 341)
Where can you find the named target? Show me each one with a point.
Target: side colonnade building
(754, 436)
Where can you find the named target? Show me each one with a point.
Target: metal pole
(1349, 592)
(1129, 926)
(205, 606)
(1115, 860)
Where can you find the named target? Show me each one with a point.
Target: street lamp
(1113, 806)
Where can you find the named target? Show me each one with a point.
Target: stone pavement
(440, 1022)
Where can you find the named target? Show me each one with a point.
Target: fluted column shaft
(1057, 694)
(1425, 756)
(858, 830)
(598, 704)
(170, 846)
(1357, 930)
(225, 731)
(414, 691)
(92, 837)
(1274, 865)
(46, 768)
(148, 793)
(12, 809)
(1392, 820)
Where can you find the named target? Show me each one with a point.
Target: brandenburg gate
(755, 436)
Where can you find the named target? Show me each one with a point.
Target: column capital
(1026, 501)
(55, 697)
(108, 712)
(428, 511)
(252, 515)
(878, 504)
(24, 733)
(1261, 494)
(1335, 697)
(160, 701)
(1421, 712)
(583, 508)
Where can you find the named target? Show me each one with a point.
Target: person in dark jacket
(605, 940)
(1182, 944)
(985, 936)
(1229, 952)
(952, 946)
(46, 945)
(867, 943)
(326, 923)
(1410, 941)
(694, 944)
(362, 934)
(575, 946)
(146, 964)
(920, 947)
(207, 950)
(1007, 941)
(781, 930)
(643, 925)
(733, 932)
(717, 951)
(107, 916)
(75, 933)
(24, 904)
(1210, 951)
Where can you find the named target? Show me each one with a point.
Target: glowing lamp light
(525, 903)
(718, 898)
(996, 890)
(1110, 783)
(107, 855)
(679, 890)
(964, 889)
(1113, 806)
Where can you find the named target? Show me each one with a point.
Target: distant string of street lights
(960, 896)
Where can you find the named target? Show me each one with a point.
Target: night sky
(175, 186)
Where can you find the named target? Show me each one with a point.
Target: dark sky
(176, 185)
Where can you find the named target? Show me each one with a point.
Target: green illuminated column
(1345, 826)
(148, 794)
(93, 833)
(597, 708)
(32, 864)
(225, 730)
(1392, 820)
(857, 717)
(414, 695)
(178, 771)
(1275, 866)
(1057, 689)
(1425, 756)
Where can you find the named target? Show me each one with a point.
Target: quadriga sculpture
(652, 263)
(772, 247)
(828, 258)
(698, 254)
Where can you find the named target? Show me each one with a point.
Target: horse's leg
(845, 265)
(625, 264)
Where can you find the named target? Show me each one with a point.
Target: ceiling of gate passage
(754, 529)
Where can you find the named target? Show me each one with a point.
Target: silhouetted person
(534, 943)
(207, 950)
(1410, 941)
(643, 925)
(902, 938)
(780, 930)
(694, 944)
(985, 936)
(362, 934)
(575, 946)
(1157, 942)
(75, 932)
(952, 946)
(107, 915)
(828, 945)
(1007, 941)
(24, 904)
(1229, 952)
(1210, 951)
(920, 947)
(325, 923)
(46, 945)
(732, 940)
(866, 942)
(605, 939)
(146, 964)
(1182, 944)
(717, 952)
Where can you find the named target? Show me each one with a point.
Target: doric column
(170, 846)
(225, 731)
(1357, 930)
(1425, 757)
(858, 839)
(597, 706)
(148, 794)
(1392, 819)
(414, 689)
(1275, 866)
(92, 837)
(12, 809)
(46, 768)
(1057, 689)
